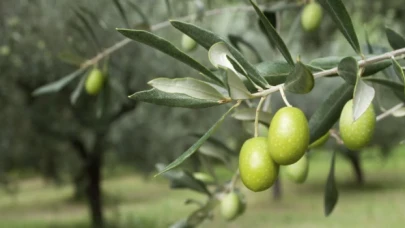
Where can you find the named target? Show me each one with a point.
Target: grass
(134, 202)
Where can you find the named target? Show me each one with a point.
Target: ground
(135, 202)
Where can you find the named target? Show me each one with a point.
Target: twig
(284, 96)
(335, 135)
(259, 107)
(334, 70)
(389, 111)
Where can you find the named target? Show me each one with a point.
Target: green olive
(187, 43)
(320, 142)
(230, 206)
(94, 82)
(257, 170)
(356, 134)
(203, 177)
(311, 16)
(288, 136)
(298, 171)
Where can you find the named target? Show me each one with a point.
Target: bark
(94, 194)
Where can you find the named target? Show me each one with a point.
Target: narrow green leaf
(272, 18)
(396, 87)
(396, 41)
(180, 224)
(370, 48)
(70, 57)
(399, 112)
(78, 90)
(237, 89)
(190, 151)
(249, 114)
(275, 37)
(300, 80)
(341, 17)
(183, 179)
(188, 86)
(362, 98)
(158, 97)
(88, 27)
(329, 111)
(208, 149)
(217, 143)
(331, 192)
(236, 41)
(326, 63)
(169, 49)
(275, 73)
(206, 39)
(121, 10)
(56, 86)
(348, 70)
(218, 55)
(398, 70)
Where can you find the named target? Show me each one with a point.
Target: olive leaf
(236, 41)
(273, 35)
(276, 72)
(183, 179)
(341, 17)
(78, 90)
(190, 151)
(399, 112)
(398, 70)
(329, 111)
(168, 48)
(56, 86)
(218, 55)
(395, 40)
(300, 80)
(331, 193)
(362, 98)
(206, 39)
(348, 70)
(158, 97)
(188, 86)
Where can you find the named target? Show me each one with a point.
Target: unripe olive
(356, 134)
(288, 136)
(94, 82)
(320, 142)
(298, 171)
(311, 16)
(258, 171)
(230, 206)
(187, 43)
(203, 177)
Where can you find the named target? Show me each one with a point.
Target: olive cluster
(260, 158)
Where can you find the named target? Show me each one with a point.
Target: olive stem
(389, 111)
(259, 107)
(284, 96)
(361, 63)
(335, 135)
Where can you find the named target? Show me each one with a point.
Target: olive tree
(282, 139)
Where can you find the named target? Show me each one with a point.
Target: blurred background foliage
(35, 131)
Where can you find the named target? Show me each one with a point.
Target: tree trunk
(94, 194)
(277, 189)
